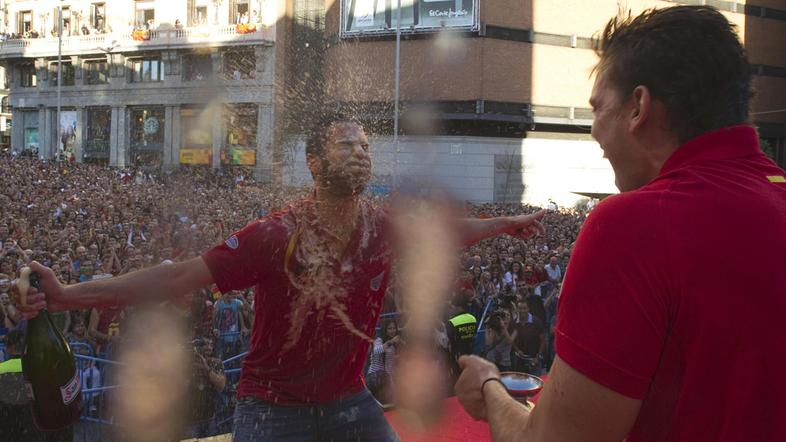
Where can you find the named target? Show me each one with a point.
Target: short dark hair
(689, 57)
(315, 143)
(16, 339)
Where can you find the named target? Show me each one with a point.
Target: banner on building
(242, 157)
(67, 132)
(380, 16)
(196, 156)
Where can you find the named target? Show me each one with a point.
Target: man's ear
(641, 107)
(314, 164)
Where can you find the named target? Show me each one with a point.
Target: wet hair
(384, 329)
(317, 137)
(690, 59)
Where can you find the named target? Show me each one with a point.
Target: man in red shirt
(321, 269)
(658, 338)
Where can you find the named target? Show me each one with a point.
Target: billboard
(67, 132)
(196, 156)
(360, 17)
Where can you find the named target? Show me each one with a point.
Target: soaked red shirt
(676, 295)
(314, 312)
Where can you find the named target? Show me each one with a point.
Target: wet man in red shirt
(668, 329)
(320, 269)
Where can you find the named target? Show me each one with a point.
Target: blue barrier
(479, 346)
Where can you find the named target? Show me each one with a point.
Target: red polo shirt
(313, 312)
(676, 295)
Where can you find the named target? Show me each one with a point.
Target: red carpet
(455, 425)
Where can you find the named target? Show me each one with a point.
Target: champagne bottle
(52, 380)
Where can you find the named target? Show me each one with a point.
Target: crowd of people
(90, 222)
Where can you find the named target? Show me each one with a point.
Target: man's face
(611, 129)
(345, 166)
(3, 231)
(4, 299)
(553, 261)
(523, 308)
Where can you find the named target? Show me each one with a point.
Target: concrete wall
(465, 167)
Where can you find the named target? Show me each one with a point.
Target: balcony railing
(138, 40)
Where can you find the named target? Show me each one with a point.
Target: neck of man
(338, 210)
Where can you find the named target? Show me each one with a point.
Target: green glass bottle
(53, 382)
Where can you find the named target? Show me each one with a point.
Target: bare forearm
(218, 380)
(472, 230)
(149, 285)
(507, 418)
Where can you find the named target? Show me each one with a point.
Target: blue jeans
(353, 418)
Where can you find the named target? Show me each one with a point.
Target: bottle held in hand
(53, 382)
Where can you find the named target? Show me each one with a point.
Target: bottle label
(29, 390)
(71, 390)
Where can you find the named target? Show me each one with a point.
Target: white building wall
(465, 166)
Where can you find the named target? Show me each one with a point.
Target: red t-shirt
(676, 295)
(314, 313)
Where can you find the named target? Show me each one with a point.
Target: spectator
(206, 381)
(229, 325)
(499, 340)
(461, 330)
(83, 344)
(384, 353)
(529, 345)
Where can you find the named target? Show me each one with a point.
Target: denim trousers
(354, 418)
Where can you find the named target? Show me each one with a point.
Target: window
(201, 15)
(25, 22)
(197, 67)
(145, 14)
(67, 73)
(66, 20)
(146, 70)
(98, 16)
(241, 143)
(96, 72)
(240, 64)
(239, 12)
(99, 126)
(5, 106)
(147, 128)
(28, 74)
(197, 12)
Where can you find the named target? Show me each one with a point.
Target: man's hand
(52, 296)
(474, 371)
(526, 226)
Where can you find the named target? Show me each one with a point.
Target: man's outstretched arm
(472, 230)
(153, 284)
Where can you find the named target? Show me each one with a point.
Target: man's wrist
(492, 380)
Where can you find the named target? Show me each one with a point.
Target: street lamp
(59, 69)
(398, 73)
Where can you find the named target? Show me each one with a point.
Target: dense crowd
(89, 222)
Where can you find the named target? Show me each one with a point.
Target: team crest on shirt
(232, 242)
(376, 283)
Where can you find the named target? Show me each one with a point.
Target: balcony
(123, 42)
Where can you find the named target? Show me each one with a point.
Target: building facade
(143, 83)
(503, 79)
(493, 93)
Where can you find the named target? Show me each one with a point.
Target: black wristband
(491, 379)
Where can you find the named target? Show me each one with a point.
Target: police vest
(466, 325)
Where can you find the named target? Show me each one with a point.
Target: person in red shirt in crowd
(652, 338)
(320, 269)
